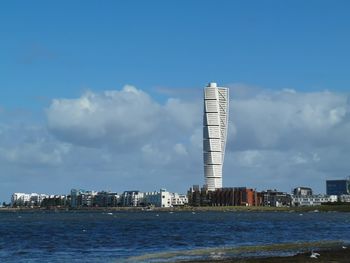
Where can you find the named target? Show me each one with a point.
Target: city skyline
(111, 96)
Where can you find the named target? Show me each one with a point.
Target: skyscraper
(215, 123)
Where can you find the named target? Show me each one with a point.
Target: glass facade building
(338, 187)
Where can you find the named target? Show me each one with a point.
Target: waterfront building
(163, 198)
(344, 198)
(178, 199)
(28, 200)
(228, 196)
(247, 197)
(56, 201)
(199, 196)
(302, 191)
(235, 196)
(82, 198)
(158, 199)
(132, 198)
(311, 200)
(223, 197)
(215, 122)
(338, 187)
(106, 199)
(194, 196)
(276, 198)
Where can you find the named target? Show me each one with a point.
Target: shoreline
(334, 255)
(321, 208)
(329, 251)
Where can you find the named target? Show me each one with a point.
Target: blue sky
(60, 51)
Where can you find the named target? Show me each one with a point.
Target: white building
(23, 199)
(158, 199)
(344, 198)
(215, 122)
(164, 198)
(82, 198)
(178, 199)
(311, 200)
(132, 198)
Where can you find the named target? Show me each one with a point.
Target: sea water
(154, 236)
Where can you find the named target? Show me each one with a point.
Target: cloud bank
(126, 139)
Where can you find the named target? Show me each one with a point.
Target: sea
(162, 236)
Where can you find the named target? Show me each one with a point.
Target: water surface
(133, 236)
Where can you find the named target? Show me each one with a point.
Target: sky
(108, 95)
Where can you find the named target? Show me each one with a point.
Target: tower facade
(215, 121)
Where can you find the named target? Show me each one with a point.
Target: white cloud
(278, 120)
(30, 145)
(126, 139)
(120, 117)
(129, 117)
(280, 135)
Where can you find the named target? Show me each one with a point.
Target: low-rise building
(158, 199)
(82, 198)
(228, 196)
(106, 199)
(235, 196)
(344, 198)
(132, 198)
(223, 197)
(164, 198)
(199, 196)
(178, 199)
(56, 201)
(302, 191)
(27, 200)
(312, 200)
(275, 198)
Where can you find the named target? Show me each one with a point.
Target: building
(275, 198)
(247, 197)
(27, 200)
(215, 121)
(132, 198)
(228, 196)
(223, 197)
(194, 196)
(311, 200)
(56, 201)
(106, 199)
(344, 198)
(197, 196)
(178, 199)
(303, 196)
(302, 191)
(235, 196)
(158, 199)
(338, 187)
(82, 198)
(163, 198)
